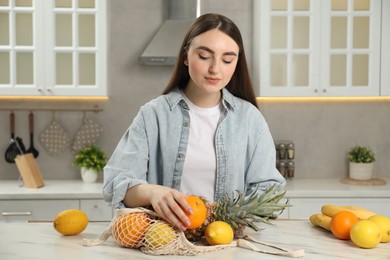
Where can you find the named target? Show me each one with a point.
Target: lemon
(219, 233)
(384, 224)
(159, 234)
(70, 222)
(365, 233)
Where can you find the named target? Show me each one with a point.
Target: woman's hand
(170, 204)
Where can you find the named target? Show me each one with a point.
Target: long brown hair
(240, 84)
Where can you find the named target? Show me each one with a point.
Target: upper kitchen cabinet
(53, 48)
(317, 48)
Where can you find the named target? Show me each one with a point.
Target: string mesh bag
(143, 229)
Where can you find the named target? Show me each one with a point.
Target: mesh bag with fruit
(216, 222)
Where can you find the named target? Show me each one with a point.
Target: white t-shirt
(200, 165)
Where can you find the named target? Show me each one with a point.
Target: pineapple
(242, 211)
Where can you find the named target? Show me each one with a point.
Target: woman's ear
(185, 59)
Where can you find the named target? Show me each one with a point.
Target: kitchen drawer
(304, 207)
(25, 210)
(96, 210)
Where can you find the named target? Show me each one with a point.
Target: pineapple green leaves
(241, 211)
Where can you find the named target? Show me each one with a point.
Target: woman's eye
(203, 57)
(227, 61)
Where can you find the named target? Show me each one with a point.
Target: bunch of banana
(329, 210)
(320, 220)
(361, 213)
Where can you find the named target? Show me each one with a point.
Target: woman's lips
(212, 80)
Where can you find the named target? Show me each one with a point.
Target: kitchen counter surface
(296, 188)
(334, 188)
(20, 241)
(53, 189)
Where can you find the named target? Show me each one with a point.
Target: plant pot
(89, 175)
(360, 171)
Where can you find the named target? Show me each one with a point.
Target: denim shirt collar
(176, 96)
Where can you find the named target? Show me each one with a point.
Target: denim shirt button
(180, 155)
(185, 124)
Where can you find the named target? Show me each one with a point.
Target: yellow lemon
(384, 224)
(159, 234)
(366, 234)
(70, 222)
(219, 233)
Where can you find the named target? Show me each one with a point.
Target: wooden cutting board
(371, 182)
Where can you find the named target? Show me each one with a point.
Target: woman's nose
(213, 68)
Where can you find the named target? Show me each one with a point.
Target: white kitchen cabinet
(53, 48)
(318, 48)
(97, 210)
(26, 210)
(305, 207)
(47, 209)
(385, 57)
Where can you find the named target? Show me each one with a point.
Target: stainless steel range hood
(164, 47)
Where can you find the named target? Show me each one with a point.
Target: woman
(204, 136)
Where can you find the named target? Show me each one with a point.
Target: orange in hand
(341, 224)
(199, 212)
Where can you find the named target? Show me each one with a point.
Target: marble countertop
(296, 188)
(334, 188)
(20, 241)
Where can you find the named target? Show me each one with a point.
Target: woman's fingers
(169, 206)
(171, 217)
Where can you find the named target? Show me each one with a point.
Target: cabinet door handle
(16, 213)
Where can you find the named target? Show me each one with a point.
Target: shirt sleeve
(127, 166)
(262, 167)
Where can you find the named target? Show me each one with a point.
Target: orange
(341, 224)
(199, 212)
(129, 230)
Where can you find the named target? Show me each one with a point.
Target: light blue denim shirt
(153, 148)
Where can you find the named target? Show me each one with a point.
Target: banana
(321, 220)
(313, 220)
(361, 213)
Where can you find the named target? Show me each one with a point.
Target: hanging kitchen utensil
(12, 150)
(54, 138)
(20, 145)
(32, 149)
(87, 134)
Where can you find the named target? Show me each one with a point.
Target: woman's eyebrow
(211, 51)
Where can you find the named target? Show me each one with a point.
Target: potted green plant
(361, 159)
(91, 160)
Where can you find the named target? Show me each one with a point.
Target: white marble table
(20, 241)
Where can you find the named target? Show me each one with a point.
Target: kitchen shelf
(53, 103)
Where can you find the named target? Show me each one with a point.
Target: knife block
(29, 171)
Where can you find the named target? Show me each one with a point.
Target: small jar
(281, 166)
(290, 151)
(290, 169)
(282, 151)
